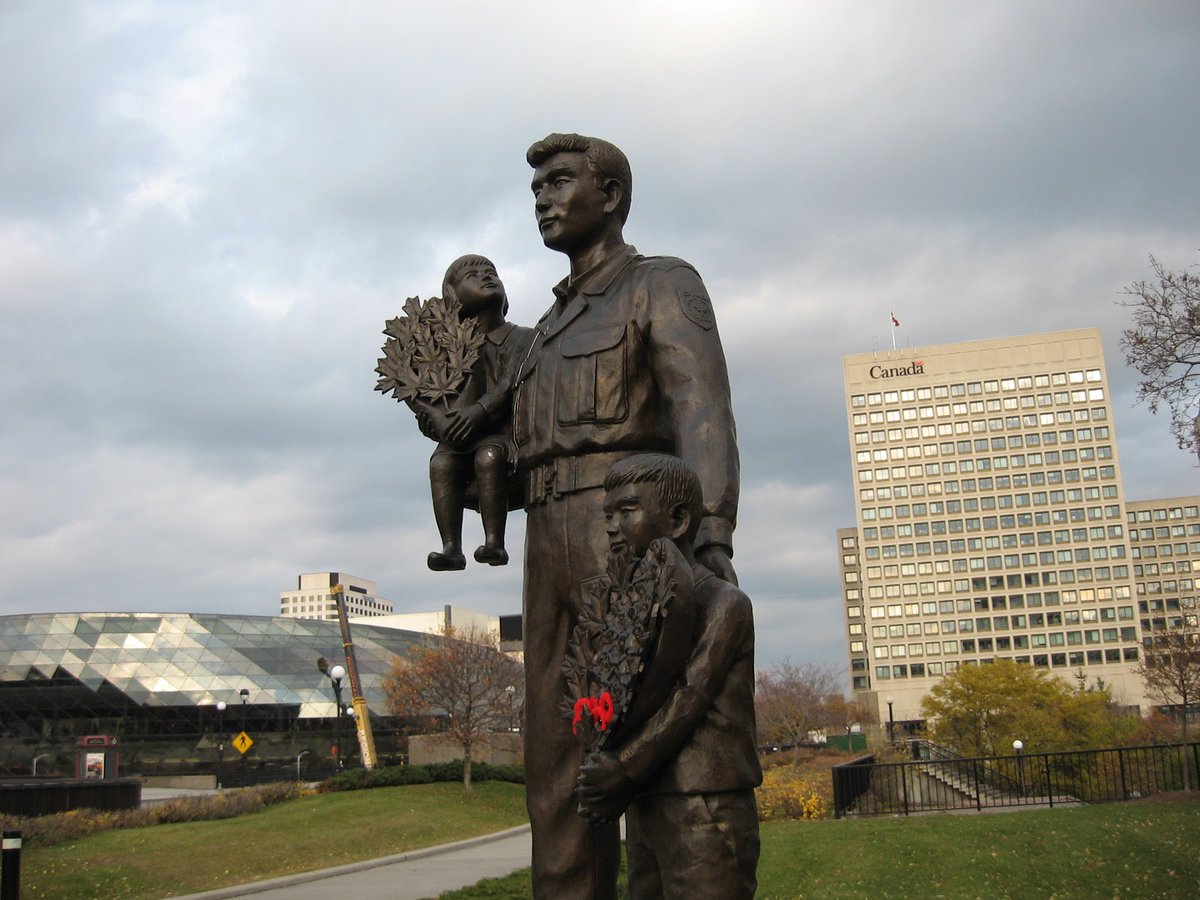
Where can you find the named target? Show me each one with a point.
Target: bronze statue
(627, 360)
(453, 360)
(682, 768)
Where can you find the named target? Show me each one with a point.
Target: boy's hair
(455, 271)
(604, 159)
(674, 482)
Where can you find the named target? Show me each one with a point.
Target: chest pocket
(592, 377)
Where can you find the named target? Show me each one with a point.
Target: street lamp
(221, 706)
(299, 757)
(1018, 746)
(891, 721)
(336, 674)
(244, 693)
(510, 690)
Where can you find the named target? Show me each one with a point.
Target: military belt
(570, 474)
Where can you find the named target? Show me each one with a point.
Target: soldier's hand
(716, 559)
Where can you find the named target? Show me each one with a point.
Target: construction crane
(362, 718)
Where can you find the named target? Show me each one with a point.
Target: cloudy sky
(208, 210)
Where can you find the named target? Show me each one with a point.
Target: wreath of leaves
(614, 638)
(429, 352)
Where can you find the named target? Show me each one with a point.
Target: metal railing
(936, 780)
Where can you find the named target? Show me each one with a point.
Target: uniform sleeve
(727, 628)
(689, 367)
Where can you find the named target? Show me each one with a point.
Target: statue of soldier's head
(582, 187)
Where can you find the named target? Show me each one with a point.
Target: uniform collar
(597, 279)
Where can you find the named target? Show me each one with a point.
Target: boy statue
(685, 778)
(475, 437)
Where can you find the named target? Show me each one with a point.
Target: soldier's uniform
(628, 360)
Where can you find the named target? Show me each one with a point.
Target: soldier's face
(634, 517)
(477, 288)
(568, 202)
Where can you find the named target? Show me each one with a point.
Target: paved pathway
(152, 796)
(417, 875)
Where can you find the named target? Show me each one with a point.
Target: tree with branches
(1170, 670)
(845, 713)
(461, 684)
(981, 710)
(791, 701)
(1164, 346)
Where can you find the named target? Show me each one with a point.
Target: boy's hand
(460, 423)
(432, 422)
(604, 789)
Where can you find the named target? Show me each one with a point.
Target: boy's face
(635, 516)
(478, 287)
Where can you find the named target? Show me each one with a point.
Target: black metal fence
(936, 780)
(42, 797)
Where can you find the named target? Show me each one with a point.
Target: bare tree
(459, 683)
(846, 713)
(792, 700)
(1164, 346)
(1170, 669)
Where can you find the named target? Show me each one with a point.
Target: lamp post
(299, 756)
(891, 721)
(1018, 746)
(221, 706)
(244, 693)
(336, 674)
(511, 691)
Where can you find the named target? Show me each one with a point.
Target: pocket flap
(594, 341)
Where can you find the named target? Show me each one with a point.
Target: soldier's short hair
(674, 482)
(604, 159)
(455, 271)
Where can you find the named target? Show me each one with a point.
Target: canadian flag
(895, 321)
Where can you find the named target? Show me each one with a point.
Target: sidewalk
(417, 875)
(152, 796)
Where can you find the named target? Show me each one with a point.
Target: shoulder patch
(666, 263)
(698, 308)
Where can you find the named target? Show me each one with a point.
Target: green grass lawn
(1144, 849)
(299, 835)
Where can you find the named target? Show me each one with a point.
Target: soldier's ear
(681, 520)
(614, 192)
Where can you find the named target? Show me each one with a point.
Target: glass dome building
(154, 680)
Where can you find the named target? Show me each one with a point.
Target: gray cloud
(207, 212)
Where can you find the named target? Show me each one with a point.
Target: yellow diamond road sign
(243, 742)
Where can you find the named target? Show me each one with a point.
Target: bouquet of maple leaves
(429, 353)
(629, 643)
